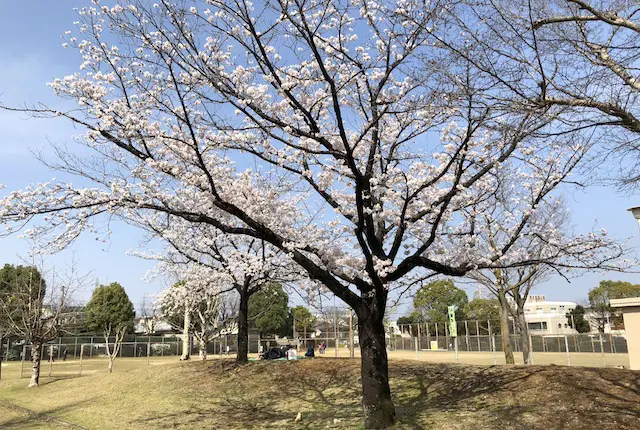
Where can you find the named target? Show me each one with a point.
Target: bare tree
(576, 60)
(34, 309)
(569, 257)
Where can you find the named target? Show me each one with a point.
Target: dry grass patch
(221, 395)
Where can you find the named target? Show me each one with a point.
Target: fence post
(493, 347)
(91, 348)
(419, 346)
(351, 351)
(593, 346)
(149, 352)
(24, 354)
(416, 342)
(162, 347)
(50, 359)
(75, 348)
(478, 334)
(604, 360)
(466, 333)
(59, 347)
(81, 354)
(491, 334)
(446, 335)
(613, 350)
(428, 337)
(566, 346)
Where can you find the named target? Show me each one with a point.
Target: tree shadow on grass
(518, 397)
(47, 416)
(327, 394)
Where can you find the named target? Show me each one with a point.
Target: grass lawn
(217, 394)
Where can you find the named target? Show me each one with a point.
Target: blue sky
(31, 55)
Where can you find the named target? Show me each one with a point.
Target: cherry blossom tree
(212, 264)
(331, 133)
(202, 303)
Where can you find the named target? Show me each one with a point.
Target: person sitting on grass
(310, 352)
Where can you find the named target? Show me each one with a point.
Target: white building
(548, 317)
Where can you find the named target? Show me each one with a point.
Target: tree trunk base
(380, 416)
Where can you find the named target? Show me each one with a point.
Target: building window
(537, 325)
(553, 309)
(539, 310)
(559, 325)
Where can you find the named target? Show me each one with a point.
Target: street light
(636, 214)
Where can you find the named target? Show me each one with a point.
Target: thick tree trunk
(379, 411)
(112, 358)
(504, 328)
(202, 349)
(35, 364)
(186, 353)
(243, 329)
(524, 336)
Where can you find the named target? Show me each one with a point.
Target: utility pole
(351, 354)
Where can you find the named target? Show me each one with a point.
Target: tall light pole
(635, 211)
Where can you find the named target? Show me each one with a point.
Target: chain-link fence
(484, 336)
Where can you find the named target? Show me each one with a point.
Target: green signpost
(453, 327)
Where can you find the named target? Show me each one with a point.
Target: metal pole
(59, 347)
(478, 334)
(455, 343)
(604, 361)
(446, 335)
(416, 342)
(24, 354)
(81, 354)
(493, 348)
(593, 347)
(419, 346)
(351, 351)
(149, 353)
(75, 348)
(335, 324)
(466, 333)
(611, 340)
(566, 346)
(50, 358)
